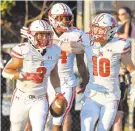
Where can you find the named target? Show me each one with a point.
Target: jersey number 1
(104, 67)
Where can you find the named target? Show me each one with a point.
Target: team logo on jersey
(109, 50)
(100, 53)
(49, 57)
(114, 23)
(42, 63)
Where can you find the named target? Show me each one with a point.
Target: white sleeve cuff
(7, 75)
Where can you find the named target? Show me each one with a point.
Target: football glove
(58, 106)
(35, 77)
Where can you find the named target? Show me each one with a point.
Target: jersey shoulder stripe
(19, 50)
(16, 54)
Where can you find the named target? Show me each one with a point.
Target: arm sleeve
(86, 39)
(127, 47)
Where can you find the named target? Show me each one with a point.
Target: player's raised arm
(71, 46)
(126, 60)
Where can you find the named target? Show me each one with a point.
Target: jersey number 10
(101, 67)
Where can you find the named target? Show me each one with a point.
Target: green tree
(6, 6)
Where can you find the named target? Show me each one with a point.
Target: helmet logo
(98, 19)
(113, 22)
(42, 23)
(65, 9)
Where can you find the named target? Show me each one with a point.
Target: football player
(31, 64)
(70, 40)
(102, 94)
(61, 19)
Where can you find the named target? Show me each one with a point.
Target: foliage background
(15, 14)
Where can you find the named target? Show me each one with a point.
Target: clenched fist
(72, 47)
(35, 77)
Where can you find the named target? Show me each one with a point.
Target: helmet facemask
(42, 39)
(63, 26)
(58, 23)
(41, 34)
(99, 34)
(61, 17)
(103, 28)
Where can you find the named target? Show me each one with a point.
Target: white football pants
(69, 94)
(98, 108)
(26, 106)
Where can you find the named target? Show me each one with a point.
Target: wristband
(57, 90)
(7, 75)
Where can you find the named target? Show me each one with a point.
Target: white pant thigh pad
(69, 94)
(99, 97)
(18, 112)
(38, 114)
(89, 114)
(107, 116)
(49, 123)
(18, 126)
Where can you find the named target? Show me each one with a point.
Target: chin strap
(63, 28)
(42, 51)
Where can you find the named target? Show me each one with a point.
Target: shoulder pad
(20, 50)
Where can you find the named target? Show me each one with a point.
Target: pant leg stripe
(13, 96)
(46, 95)
(70, 104)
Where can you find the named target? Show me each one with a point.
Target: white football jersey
(34, 62)
(66, 61)
(106, 65)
